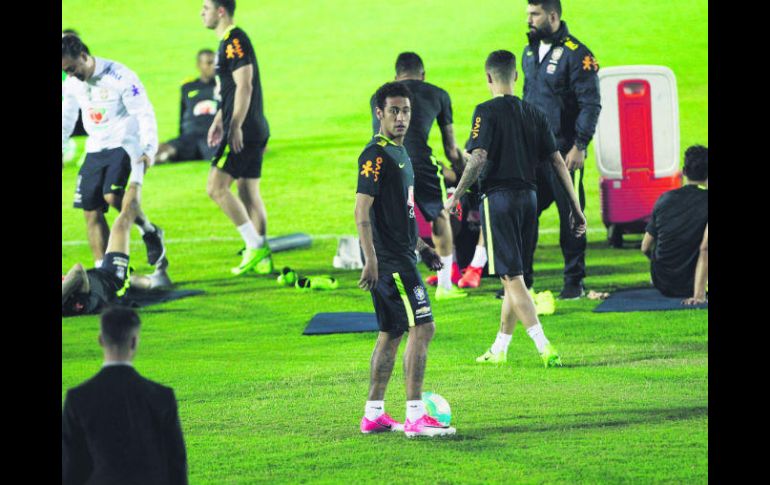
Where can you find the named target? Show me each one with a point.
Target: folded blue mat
(641, 300)
(346, 322)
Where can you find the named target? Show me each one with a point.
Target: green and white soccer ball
(437, 407)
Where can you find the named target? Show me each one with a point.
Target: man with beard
(561, 80)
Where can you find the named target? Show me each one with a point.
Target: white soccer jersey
(116, 111)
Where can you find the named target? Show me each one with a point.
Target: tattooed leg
(415, 359)
(383, 358)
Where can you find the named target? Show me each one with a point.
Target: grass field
(258, 401)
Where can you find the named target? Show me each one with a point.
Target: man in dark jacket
(561, 80)
(119, 427)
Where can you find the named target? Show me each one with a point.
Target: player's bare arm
(648, 244)
(471, 173)
(369, 274)
(575, 158)
(577, 219)
(216, 130)
(242, 77)
(701, 272)
(451, 150)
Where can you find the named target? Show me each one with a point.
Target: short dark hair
(548, 5)
(118, 323)
(696, 162)
(228, 5)
(70, 32)
(502, 64)
(391, 90)
(72, 46)
(409, 62)
(204, 51)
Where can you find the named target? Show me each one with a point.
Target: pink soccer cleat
(380, 425)
(426, 426)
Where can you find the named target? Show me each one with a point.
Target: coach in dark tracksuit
(118, 427)
(561, 79)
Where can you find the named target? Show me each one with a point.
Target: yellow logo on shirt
(476, 126)
(234, 49)
(571, 44)
(589, 63)
(366, 168)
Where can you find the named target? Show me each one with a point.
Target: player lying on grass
(388, 233)
(88, 291)
(509, 138)
(677, 236)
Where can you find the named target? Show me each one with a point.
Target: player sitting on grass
(88, 291)
(509, 138)
(677, 237)
(388, 233)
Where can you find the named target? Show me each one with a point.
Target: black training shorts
(508, 218)
(429, 188)
(192, 147)
(104, 172)
(401, 301)
(246, 164)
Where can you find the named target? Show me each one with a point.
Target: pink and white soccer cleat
(382, 424)
(426, 426)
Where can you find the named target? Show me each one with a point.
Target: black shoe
(572, 291)
(500, 294)
(156, 250)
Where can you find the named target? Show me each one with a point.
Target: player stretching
(241, 132)
(509, 138)
(121, 130)
(388, 233)
(87, 292)
(429, 103)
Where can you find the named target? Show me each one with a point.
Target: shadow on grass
(613, 418)
(670, 353)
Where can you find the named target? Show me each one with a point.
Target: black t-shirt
(104, 288)
(677, 223)
(429, 103)
(517, 138)
(385, 172)
(198, 107)
(235, 51)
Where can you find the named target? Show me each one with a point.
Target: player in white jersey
(121, 127)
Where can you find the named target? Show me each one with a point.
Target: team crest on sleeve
(234, 49)
(590, 64)
(366, 168)
(369, 168)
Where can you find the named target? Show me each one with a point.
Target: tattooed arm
(473, 168)
(364, 226)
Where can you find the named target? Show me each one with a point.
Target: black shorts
(104, 172)
(192, 147)
(401, 301)
(107, 284)
(508, 218)
(246, 164)
(429, 188)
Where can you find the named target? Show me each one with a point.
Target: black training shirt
(235, 51)
(517, 138)
(198, 107)
(677, 223)
(385, 172)
(429, 103)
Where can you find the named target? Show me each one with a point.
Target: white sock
(479, 257)
(501, 343)
(374, 409)
(535, 332)
(261, 240)
(98, 263)
(249, 235)
(415, 410)
(445, 273)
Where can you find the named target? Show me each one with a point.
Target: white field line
(193, 240)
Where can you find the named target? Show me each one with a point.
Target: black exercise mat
(641, 300)
(143, 298)
(346, 322)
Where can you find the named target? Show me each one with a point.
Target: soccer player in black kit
(388, 233)
(240, 131)
(197, 110)
(429, 103)
(509, 139)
